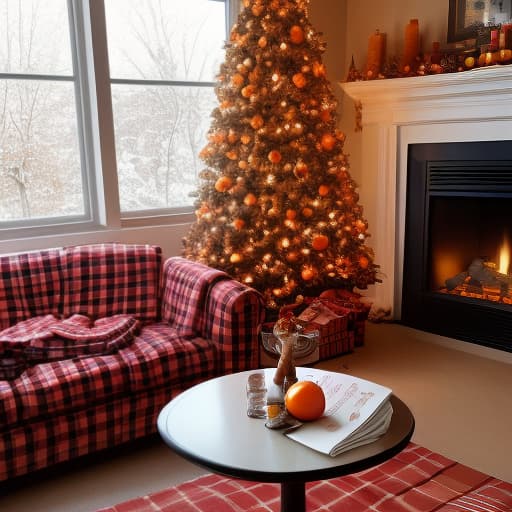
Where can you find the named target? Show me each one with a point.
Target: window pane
(159, 133)
(39, 155)
(171, 40)
(34, 37)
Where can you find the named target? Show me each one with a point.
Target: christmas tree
(277, 208)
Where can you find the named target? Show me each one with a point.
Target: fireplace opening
(457, 278)
(470, 250)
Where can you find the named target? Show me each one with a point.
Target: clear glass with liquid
(256, 395)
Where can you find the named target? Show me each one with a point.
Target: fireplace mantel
(484, 93)
(456, 107)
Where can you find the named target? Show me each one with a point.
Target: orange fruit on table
(305, 400)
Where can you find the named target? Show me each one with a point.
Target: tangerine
(305, 400)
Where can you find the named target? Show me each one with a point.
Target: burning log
(457, 280)
(481, 279)
(480, 272)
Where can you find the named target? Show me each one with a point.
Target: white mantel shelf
(467, 106)
(483, 93)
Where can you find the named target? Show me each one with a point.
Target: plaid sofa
(180, 323)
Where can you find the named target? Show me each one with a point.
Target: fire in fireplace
(457, 272)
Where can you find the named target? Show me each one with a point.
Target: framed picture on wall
(467, 17)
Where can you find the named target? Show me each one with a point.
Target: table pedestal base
(293, 497)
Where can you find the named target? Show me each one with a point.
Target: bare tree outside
(39, 149)
(160, 128)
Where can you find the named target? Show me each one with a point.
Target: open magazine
(357, 412)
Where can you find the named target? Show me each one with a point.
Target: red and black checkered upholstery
(31, 285)
(203, 325)
(108, 279)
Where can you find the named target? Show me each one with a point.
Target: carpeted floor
(416, 479)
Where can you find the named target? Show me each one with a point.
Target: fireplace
(403, 115)
(457, 277)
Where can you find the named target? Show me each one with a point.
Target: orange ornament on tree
(307, 212)
(320, 242)
(363, 262)
(296, 34)
(217, 137)
(274, 156)
(257, 122)
(237, 80)
(291, 214)
(248, 90)
(323, 190)
(328, 142)
(250, 200)
(223, 184)
(308, 273)
(257, 9)
(235, 258)
(238, 224)
(299, 80)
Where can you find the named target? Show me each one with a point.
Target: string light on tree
(277, 208)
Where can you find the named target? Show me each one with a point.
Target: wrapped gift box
(345, 302)
(333, 326)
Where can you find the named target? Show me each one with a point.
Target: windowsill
(158, 220)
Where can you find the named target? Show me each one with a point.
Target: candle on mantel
(506, 30)
(376, 54)
(411, 43)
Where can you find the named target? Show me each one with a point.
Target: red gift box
(344, 301)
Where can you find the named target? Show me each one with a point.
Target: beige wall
(347, 24)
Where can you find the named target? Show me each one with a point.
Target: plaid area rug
(415, 480)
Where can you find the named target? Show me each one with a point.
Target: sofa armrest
(199, 301)
(233, 320)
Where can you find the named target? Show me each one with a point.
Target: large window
(59, 122)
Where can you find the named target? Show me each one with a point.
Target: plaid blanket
(46, 338)
(415, 480)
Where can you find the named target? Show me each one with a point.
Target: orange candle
(411, 43)
(376, 54)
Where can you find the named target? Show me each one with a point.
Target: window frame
(95, 125)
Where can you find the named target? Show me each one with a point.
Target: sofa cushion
(30, 285)
(161, 357)
(157, 356)
(102, 280)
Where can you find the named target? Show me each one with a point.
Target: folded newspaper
(357, 412)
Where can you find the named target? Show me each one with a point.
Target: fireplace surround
(398, 114)
(457, 279)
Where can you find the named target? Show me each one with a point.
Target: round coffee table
(208, 425)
